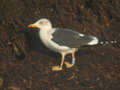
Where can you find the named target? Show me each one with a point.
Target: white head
(42, 24)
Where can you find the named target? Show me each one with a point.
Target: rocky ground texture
(25, 63)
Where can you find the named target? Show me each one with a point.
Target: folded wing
(72, 39)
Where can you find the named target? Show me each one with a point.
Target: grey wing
(72, 39)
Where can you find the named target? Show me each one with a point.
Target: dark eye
(41, 22)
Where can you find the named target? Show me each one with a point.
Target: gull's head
(42, 24)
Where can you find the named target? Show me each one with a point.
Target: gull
(62, 40)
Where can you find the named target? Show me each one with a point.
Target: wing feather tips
(94, 41)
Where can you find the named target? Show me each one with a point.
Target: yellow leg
(62, 61)
(73, 58)
(58, 68)
(73, 55)
(69, 65)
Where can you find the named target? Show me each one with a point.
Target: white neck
(45, 33)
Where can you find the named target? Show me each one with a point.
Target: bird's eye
(41, 22)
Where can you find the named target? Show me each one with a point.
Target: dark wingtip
(105, 42)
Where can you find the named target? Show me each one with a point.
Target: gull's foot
(56, 68)
(68, 65)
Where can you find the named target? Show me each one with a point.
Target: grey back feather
(70, 38)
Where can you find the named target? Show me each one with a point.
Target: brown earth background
(25, 63)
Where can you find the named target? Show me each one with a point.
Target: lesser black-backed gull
(62, 40)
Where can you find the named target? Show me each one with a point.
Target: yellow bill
(32, 26)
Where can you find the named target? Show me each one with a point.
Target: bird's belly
(46, 39)
(57, 48)
(61, 49)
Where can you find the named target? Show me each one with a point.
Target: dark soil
(25, 63)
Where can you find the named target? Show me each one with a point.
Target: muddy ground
(25, 63)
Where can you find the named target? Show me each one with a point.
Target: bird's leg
(73, 58)
(69, 65)
(58, 68)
